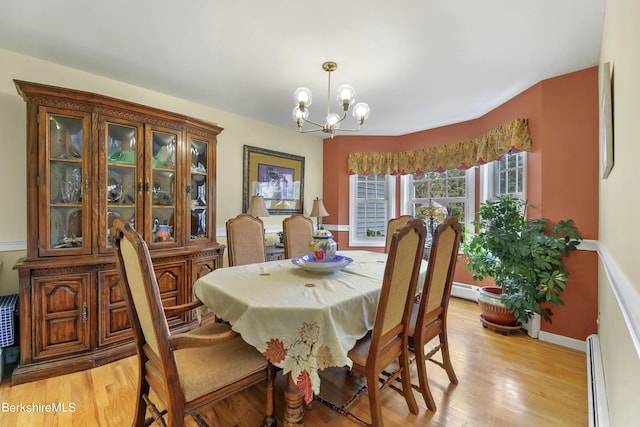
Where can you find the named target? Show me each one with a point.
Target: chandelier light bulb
(333, 120)
(346, 96)
(361, 112)
(302, 97)
(299, 116)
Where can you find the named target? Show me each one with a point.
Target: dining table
(302, 321)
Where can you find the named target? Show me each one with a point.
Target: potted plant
(524, 257)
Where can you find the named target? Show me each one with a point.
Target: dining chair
(429, 315)
(245, 240)
(186, 371)
(298, 233)
(392, 226)
(388, 341)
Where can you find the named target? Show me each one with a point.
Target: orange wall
(562, 176)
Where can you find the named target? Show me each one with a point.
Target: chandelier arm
(312, 122)
(309, 130)
(348, 130)
(344, 116)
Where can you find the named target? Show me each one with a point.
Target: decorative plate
(308, 263)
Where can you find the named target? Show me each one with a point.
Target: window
(372, 204)
(454, 189)
(506, 176)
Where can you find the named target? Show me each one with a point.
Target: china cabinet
(92, 159)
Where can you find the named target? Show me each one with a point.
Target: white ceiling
(419, 64)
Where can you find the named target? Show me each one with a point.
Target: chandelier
(346, 96)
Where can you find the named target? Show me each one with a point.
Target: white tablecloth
(300, 321)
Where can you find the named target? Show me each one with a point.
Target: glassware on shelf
(66, 228)
(164, 150)
(198, 223)
(121, 142)
(73, 185)
(163, 188)
(66, 183)
(65, 137)
(198, 156)
(198, 191)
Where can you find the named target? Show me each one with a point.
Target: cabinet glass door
(66, 191)
(198, 220)
(121, 141)
(163, 188)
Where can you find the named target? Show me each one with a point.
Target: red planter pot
(492, 308)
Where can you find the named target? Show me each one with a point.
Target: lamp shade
(434, 210)
(257, 207)
(318, 209)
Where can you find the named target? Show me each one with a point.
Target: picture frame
(606, 120)
(277, 177)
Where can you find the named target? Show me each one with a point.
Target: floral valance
(510, 137)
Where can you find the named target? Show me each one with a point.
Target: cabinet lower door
(62, 315)
(114, 325)
(114, 319)
(171, 278)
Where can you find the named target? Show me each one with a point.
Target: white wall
(238, 131)
(619, 207)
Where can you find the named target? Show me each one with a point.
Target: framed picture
(606, 119)
(277, 177)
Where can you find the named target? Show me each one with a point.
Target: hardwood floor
(503, 381)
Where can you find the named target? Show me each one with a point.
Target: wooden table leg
(294, 412)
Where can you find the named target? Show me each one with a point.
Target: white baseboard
(562, 340)
(470, 292)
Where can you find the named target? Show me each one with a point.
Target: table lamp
(434, 212)
(318, 211)
(257, 207)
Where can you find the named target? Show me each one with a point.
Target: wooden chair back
(398, 285)
(245, 240)
(188, 370)
(388, 341)
(392, 226)
(150, 328)
(442, 263)
(298, 233)
(429, 316)
(146, 315)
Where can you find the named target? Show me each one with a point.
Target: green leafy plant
(525, 258)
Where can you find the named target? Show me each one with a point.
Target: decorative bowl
(310, 264)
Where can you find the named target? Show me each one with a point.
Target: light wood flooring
(503, 381)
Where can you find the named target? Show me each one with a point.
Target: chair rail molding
(13, 245)
(626, 295)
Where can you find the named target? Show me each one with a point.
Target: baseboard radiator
(464, 291)
(598, 409)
